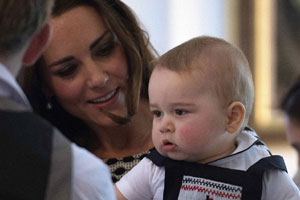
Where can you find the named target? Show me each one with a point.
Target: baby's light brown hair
(223, 66)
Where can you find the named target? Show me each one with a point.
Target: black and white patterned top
(120, 166)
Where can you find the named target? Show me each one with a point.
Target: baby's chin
(176, 155)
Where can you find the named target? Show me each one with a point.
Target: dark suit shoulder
(25, 153)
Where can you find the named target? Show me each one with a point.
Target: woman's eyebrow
(98, 40)
(61, 61)
(69, 58)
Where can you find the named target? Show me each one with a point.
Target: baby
(201, 95)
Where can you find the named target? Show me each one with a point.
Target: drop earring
(49, 105)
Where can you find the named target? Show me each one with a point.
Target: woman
(92, 81)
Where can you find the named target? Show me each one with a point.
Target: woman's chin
(111, 119)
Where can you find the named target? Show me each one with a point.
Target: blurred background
(267, 31)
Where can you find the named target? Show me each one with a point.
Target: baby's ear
(235, 116)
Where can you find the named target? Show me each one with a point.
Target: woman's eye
(156, 113)
(180, 112)
(67, 70)
(105, 49)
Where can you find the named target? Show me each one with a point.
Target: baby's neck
(223, 154)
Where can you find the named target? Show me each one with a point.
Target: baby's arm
(135, 184)
(279, 185)
(144, 181)
(119, 195)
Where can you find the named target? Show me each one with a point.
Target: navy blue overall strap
(259, 168)
(156, 158)
(271, 162)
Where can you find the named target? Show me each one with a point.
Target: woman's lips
(168, 146)
(105, 99)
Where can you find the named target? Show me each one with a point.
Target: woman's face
(86, 67)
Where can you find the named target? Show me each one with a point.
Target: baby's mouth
(166, 142)
(168, 146)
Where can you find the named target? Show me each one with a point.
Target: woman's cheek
(68, 91)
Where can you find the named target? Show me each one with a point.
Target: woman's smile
(106, 98)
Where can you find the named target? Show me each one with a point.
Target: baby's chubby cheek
(189, 135)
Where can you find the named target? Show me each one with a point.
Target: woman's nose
(97, 77)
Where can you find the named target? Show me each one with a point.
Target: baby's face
(189, 123)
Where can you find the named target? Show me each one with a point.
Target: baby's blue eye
(180, 112)
(156, 113)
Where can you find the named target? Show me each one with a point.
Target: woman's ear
(235, 115)
(37, 45)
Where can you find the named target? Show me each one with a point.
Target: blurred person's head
(23, 31)
(291, 107)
